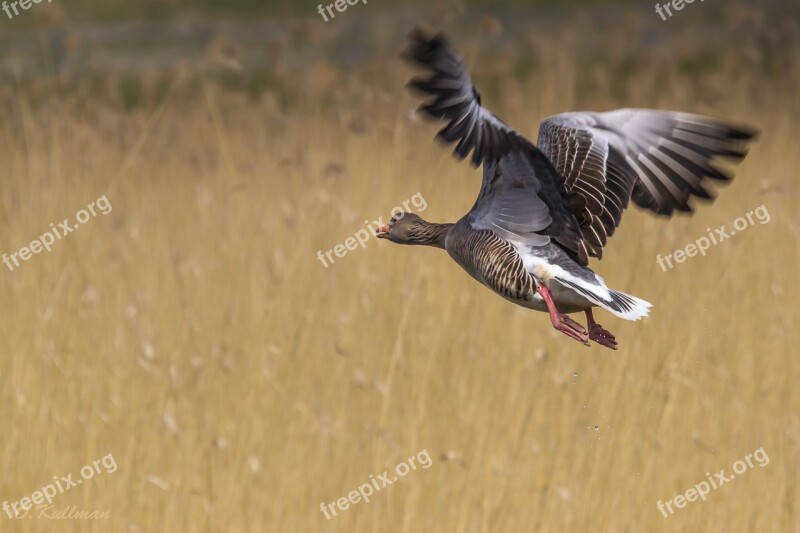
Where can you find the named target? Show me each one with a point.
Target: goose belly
(493, 262)
(566, 300)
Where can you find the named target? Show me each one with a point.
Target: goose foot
(598, 334)
(572, 329)
(560, 321)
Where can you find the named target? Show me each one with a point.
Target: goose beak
(382, 232)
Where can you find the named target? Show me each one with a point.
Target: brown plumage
(485, 256)
(543, 210)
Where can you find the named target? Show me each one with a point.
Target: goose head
(409, 228)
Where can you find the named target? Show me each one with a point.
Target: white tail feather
(618, 303)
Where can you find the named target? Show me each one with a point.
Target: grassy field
(193, 333)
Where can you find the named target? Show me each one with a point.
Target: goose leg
(560, 321)
(598, 334)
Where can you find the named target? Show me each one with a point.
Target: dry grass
(193, 334)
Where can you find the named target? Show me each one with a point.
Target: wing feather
(587, 167)
(522, 197)
(658, 159)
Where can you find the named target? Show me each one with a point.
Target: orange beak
(382, 232)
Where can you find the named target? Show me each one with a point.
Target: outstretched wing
(660, 159)
(458, 101)
(522, 197)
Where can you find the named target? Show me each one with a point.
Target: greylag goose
(544, 210)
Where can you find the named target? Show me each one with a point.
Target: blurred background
(239, 383)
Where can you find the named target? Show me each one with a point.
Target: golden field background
(193, 334)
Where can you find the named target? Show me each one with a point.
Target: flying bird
(543, 210)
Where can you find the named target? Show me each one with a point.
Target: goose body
(543, 210)
(512, 271)
(515, 271)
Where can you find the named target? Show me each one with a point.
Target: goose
(543, 210)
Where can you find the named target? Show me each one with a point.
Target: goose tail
(617, 303)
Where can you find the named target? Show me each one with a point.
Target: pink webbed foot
(572, 329)
(598, 334)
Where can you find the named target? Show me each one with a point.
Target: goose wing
(522, 197)
(659, 159)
